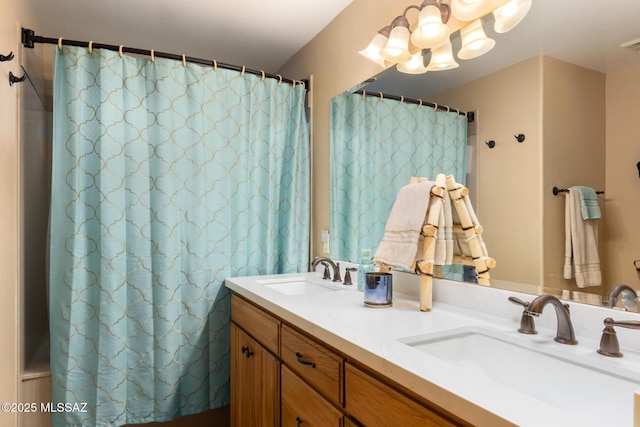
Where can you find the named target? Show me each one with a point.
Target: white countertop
(370, 335)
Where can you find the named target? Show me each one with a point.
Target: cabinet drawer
(257, 322)
(314, 363)
(374, 403)
(302, 406)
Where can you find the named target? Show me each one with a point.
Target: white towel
(581, 258)
(399, 243)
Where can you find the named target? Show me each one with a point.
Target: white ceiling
(260, 34)
(583, 32)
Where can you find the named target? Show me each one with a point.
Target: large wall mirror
(562, 79)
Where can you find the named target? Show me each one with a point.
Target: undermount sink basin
(296, 286)
(490, 358)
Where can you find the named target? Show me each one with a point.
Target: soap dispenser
(365, 267)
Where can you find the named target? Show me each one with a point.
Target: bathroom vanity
(307, 351)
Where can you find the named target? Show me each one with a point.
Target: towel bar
(557, 190)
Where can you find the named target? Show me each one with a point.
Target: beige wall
(623, 183)
(573, 154)
(509, 207)
(13, 13)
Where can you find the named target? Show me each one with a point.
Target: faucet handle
(347, 275)
(527, 324)
(327, 274)
(518, 301)
(609, 345)
(631, 324)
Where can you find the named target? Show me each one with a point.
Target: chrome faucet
(334, 266)
(565, 334)
(629, 296)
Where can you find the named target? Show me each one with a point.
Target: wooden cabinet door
(255, 382)
(302, 406)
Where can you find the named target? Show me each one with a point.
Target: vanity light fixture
(510, 15)
(442, 58)
(403, 45)
(468, 10)
(414, 66)
(431, 30)
(374, 50)
(474, 41)
(397, 48)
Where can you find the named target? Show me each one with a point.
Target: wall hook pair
(519, 137)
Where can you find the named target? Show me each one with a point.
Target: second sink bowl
(296, 286)
(491, 358)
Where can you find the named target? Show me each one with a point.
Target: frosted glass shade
(468, 10)
(442, 58)
(374, 50)
(510, 15)
(397, 48)
(414, 66)
(474, 41)
(430, 32)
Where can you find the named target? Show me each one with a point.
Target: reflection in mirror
(569, 94)
(377, 145)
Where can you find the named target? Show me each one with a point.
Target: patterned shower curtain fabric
(167, 179)
(377, 145)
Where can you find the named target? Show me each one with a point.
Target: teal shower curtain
(377, 145)
(167, 179)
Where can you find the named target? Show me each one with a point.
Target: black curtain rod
(470, 115)
(29, 39)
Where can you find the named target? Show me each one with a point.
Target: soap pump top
(364, 267)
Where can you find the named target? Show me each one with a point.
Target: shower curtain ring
(60, 44)
(262, 78)
(215, 65)
(279, 78)
(90, 47)
(120, 50)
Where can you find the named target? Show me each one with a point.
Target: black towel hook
(13, 79)
(638, 165)
(491, 143)
(9, 57)
(519, 137)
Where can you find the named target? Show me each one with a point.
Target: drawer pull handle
(247, 352)
(304, 362)
(299, 420)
